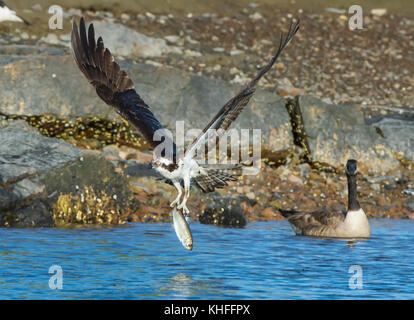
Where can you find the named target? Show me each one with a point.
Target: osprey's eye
(158, 163)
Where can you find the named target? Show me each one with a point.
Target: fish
(182, 229)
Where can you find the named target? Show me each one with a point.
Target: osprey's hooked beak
(155, 164)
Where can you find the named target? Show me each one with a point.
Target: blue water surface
(265, 260)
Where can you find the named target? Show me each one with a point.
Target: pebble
(192, 53)
(235, 52)
(389, 187)
(256, 16)
(376, 187)
(218, 49)
(74, 12)
(334, 10)
(240, 79)
(172, 39)
(409, 191)
(191, 41)
(250, 195)
(294, 179)
(150, 15)
(24, 36)
(304, 169)
(51, 38)
(379, 12)
(125, 16)
(37, 7)
(234, 70)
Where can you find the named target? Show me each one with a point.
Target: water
(263, 261)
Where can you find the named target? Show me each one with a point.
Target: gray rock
(224, 211)
(40, 178)
(304, 170)
(90, 170)
(337, 133)
(399, 135)
(21, 145)
(409, 191)
(10, 172)
(24, 156)
(36, 214)
(376, 187)
(57, 87)
(172, 38)
(53, 39)
(126, 42)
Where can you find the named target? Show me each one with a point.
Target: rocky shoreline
(68, 159)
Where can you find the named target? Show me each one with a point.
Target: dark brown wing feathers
(111, 83)
(231, 110)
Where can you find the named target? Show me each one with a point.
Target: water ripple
(265, 260)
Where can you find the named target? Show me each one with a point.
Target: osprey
(115, 88)
(9, 15)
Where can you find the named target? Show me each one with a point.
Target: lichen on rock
(224, 211)
(87, 207)
(89, 191)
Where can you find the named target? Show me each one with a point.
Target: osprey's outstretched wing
(230, 111)
(216, 178)
(111, 83)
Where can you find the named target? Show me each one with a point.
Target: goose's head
(352, 167)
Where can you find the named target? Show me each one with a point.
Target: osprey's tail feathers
(217, 178)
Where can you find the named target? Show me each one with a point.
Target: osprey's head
(163, 165)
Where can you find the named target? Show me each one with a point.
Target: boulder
(57, 87)
(399, 135)
(338, 132)
(124, 41)
(46, 182)
(24, 155)
(224, 211)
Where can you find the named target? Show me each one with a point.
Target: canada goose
(353, 224)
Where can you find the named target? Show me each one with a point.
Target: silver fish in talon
(182, 229)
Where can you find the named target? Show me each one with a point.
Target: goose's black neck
(353, 203)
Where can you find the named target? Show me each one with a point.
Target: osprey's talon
(173, 204)
(183, 206)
